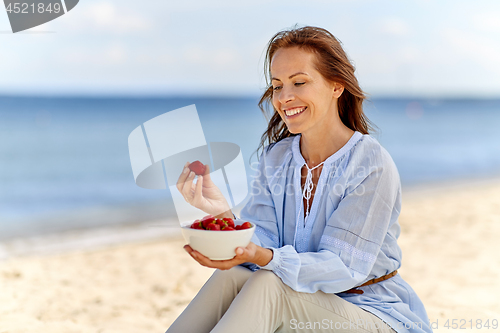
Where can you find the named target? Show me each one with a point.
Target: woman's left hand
(252, 253)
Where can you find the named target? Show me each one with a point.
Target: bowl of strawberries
(217, 238)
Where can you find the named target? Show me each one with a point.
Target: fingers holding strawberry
(197, 167)
(185, 184)
(204, 195)
(182, 178)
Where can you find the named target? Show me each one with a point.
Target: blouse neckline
(299, 159)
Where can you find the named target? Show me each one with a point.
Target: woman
(301, 270)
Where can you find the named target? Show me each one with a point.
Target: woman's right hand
(204, 195)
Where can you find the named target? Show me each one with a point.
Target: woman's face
(306, 102)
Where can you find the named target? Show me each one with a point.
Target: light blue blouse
(350, 235)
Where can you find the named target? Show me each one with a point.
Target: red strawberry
(221, 222)
(196, 225)
(213, 226)
(197, 167)
(208, 221)
(229, 221)
(227, 229)
(246, 225)
(238, 227)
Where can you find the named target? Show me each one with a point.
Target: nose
(286, 95)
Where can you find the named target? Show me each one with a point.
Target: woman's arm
(261, 210)
(352, 238)
(254, 255)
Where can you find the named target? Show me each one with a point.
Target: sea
(65, 165)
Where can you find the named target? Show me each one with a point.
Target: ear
(337, 89)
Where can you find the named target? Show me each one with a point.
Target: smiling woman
(324, 255)
(323, 53)
(304, 101)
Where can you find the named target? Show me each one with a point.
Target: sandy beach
(450, 242)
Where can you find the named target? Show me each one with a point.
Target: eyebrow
(291, 76)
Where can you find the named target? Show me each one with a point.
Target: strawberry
(197, 167)
(238, 227)
(229, 221)
(213, 226)
(221, 222)
(246, 225)
(208, 221)
(227, 229)
(196, 225)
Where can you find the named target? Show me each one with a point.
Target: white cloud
(223, 58)
(116, 54)
(394, 27)
(226, 58)
(194, 54)
(105, 17)
(487, 22)
(409, 54)
(112, 55)
(482, 50)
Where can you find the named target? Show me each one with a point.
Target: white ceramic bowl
(217, 245)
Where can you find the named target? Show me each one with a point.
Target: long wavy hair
(332, 63)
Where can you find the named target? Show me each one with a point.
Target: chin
(295, 129)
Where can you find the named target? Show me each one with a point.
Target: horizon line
(232, 96)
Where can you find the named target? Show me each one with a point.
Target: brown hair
(332, 63)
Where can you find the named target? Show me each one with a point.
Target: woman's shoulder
(278, 150)
(369, 148)
(369, 153)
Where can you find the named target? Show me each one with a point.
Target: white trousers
(239, 300)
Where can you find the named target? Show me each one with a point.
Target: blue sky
(412, 48)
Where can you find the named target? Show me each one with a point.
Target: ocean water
(64, 162)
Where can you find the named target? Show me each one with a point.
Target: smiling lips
(294, 111)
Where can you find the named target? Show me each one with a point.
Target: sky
(425, 48)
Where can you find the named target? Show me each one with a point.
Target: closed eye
(296, 84)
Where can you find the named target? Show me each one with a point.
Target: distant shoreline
(449, 184)
(131, 96)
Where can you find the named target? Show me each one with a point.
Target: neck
(316, 148)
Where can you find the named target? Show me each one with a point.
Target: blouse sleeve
(352, 237)
(260, 210)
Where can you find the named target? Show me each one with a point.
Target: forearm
(313, 271)
(226, 214)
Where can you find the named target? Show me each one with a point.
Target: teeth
(291, 112)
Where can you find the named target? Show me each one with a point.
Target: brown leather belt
(372, 281)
